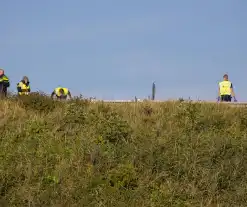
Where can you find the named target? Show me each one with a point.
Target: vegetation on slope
(136, 154)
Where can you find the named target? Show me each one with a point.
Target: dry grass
(141, 154)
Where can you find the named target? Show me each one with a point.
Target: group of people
(225, 90)
(23, 88)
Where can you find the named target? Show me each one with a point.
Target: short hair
(225, 76)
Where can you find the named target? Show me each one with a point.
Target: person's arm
(218, 98)
(218, 91)
(53, 94)
(232, 91)
(6, 81)
(29, 88)
(6, 84)
(19, 88)
(69, 94)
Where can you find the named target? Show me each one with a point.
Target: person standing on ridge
(23, 87)
(4, 84)
(61, 93)
(226, 92)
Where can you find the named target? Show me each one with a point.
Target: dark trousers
(61, 97)
(226, 98)
(3, 91)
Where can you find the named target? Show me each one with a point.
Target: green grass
(133, 154)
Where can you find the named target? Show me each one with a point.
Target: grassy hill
(133, 154)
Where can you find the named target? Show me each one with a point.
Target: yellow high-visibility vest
(24, 88)
(225, 87)
(57, 91)
(4, 78)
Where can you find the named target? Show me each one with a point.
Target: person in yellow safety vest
(61, 93)
(4, 84)
(226, 92)
(23, 87)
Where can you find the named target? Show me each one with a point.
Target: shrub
(37, 102)
(112, 127)
(78, 153)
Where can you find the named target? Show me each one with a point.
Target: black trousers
(3, 92)
(226, 98)
(61, 97)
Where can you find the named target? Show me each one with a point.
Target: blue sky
(116, 49)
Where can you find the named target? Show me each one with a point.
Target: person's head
(225, 77)
(25, 79)
(61, 91)
(1, 71)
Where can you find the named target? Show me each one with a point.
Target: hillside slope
(140, 154)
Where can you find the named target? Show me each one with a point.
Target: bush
(78, 153)
(112, 126)
(37, 102)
